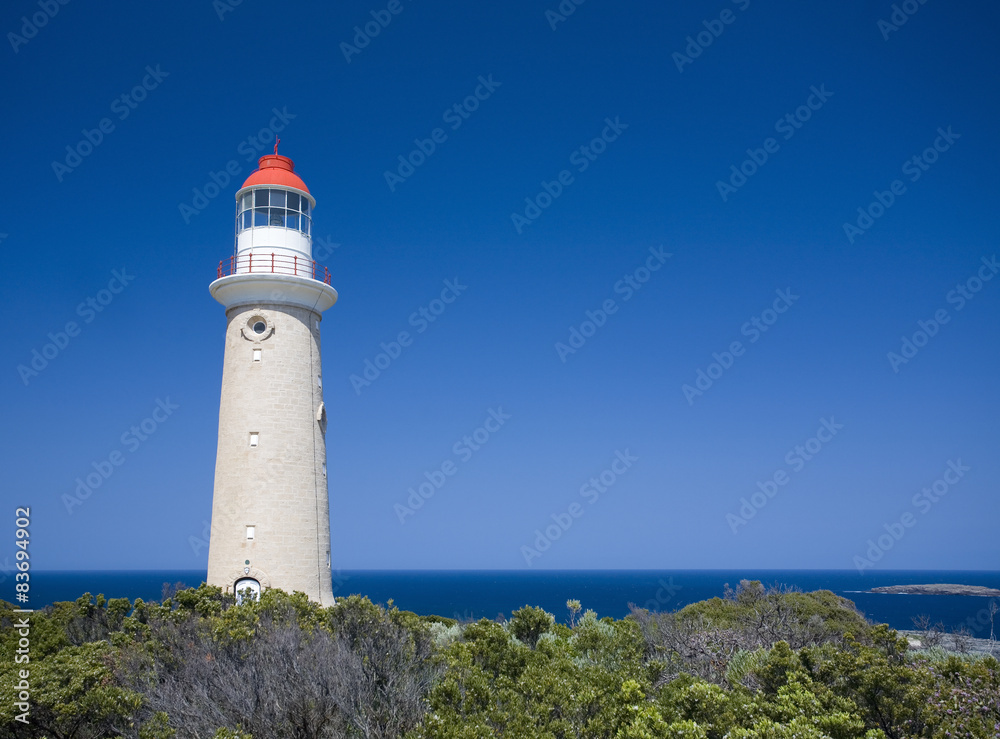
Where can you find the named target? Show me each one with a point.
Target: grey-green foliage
(588, 637)
(938, 655)
(443, 635)
(742, 664)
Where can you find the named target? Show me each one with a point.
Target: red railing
(276, 264)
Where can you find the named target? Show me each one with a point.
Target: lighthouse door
(247, 588)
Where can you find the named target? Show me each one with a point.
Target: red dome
(274, 169)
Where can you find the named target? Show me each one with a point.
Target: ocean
(468, 594)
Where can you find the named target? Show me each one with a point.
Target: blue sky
(643, 109)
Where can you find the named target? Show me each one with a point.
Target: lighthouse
(270, 507)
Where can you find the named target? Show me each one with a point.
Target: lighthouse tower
(270, 510)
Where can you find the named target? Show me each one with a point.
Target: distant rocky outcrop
(937, 589)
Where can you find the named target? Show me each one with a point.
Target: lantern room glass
(273, 207)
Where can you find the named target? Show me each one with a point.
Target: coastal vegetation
(757, 663)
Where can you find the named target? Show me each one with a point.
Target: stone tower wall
(279, 486)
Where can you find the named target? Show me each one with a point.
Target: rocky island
(938, 589)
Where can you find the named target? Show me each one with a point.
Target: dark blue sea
(476, 594)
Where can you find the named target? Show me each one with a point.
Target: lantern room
(274, 220)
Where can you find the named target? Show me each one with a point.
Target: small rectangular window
(319, 380)
(261, 197)
(324, 469)
(260, 217)
(278, 198)
(317, 325)
(254, 437)
(251, 530)
(256, 355)
(293, 201)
